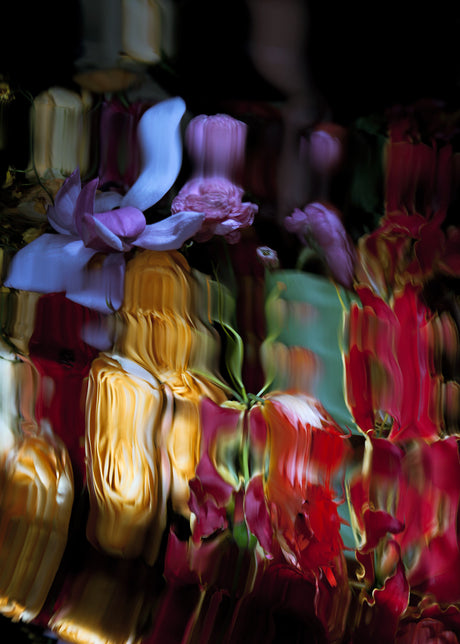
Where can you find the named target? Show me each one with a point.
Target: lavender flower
(320, 226)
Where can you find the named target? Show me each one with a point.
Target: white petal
(46, 264)
(161, 153)
(172, 232)
(100, 287)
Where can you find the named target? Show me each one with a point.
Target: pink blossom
(221, 202)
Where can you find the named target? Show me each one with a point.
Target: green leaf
(305, 310)
(219, 303)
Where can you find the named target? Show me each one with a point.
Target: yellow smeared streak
(125, 408)
(107, 604)
(36, 496)
(143, 408)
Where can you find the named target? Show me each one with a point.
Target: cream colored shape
(141, 30)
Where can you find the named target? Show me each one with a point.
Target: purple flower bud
(321, 225)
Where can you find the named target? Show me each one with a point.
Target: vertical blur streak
(61, 132)
(36, 496)
(107, 602)
(278, 47)
(125, 481)
(142, 29)
(143, 425)
(119, 159)
(216, 145)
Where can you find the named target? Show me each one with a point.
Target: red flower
(210, 493)
(413, 494)
(429, 624)
(306, 448)
(390, 366)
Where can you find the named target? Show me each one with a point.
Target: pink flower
(221, 202)
(216, 145)
(320, 226)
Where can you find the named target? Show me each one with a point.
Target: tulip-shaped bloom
(128, 481)
(67, 261)
(270, 472)
(388, 341)
(35, 506)
(36, 496)
(306, 449)
(216, 145)
(320, 226)
(327, 147)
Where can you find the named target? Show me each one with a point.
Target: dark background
(362, 60)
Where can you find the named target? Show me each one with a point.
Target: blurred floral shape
(265, 480)
(128, 478)
(306, 449)
(327, 147)
(268, 257)
(412, 494)
(220, 201)
(216, 145)
(319, 226)
(61, 133)
(36, 496)
(119, 156)
(66, 262)
(138, 467)
(387, 342)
